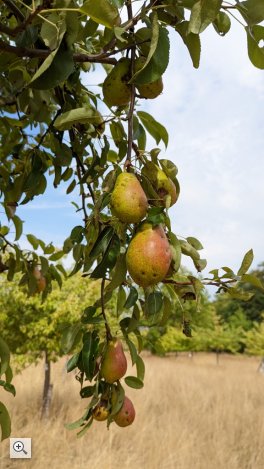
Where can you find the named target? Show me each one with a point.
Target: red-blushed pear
(149, 255)
(41, 281)
(114, 363)
(129, 202)
(126, 414)
(100, 412)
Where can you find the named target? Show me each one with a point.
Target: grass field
(191, 414)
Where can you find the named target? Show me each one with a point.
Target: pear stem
(107, 328)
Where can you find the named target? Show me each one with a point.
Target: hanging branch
(133, 93)
(107, 328)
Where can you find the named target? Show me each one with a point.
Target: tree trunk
(261, 366)
(217, 357)
(47, 389)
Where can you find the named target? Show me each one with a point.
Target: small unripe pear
(100, 412)
(114, 363)
(129, 202)
(116, 90)
(149, 255)
(126, 414)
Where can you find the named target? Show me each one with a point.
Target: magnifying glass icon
(18, 447)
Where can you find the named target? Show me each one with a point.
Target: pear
(129, 202)
(149, 255)
(100, 412)
(116, 90)
(114, 363)
(126, 414)
(148, 90)
(41, 281)
(165, 186)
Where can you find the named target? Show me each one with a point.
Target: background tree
(54, 127)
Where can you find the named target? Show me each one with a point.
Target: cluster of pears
(149, 254)
(117, 87)
(113, 368)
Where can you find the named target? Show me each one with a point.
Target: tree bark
(261, 366)
(47, 389)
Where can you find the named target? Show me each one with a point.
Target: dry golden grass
(191, 414)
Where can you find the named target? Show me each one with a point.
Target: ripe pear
(114, 363)
(100, 412)
(41, 281)
(149, 255)
(148, 90)
(116, 90)
(126, 414)
(129, 202)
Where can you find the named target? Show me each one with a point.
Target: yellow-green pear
(149, 255)
(100, 412)
(126, 414)
(165, 186)
(148, 90)
(116, 90)
(114, 363)
(129, 202)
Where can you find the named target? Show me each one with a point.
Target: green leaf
(102, 242)
(81, 115)
(222, 23)
(158, 57)
(132, 298)
(89, 353)
(5, 422)
(166, 311)
(239, 294)
(156, 130)
(253, 280)
(192, 42)
(87, 391)
(176, 251)
(169, 168)
(118, 399)
(154, 302)
(246, 263)
(8, 387)
(121, 299)
(134, 382)
(255, 35)
(77, 234)
(78, 423)
(4, 357)
(33, 241)
(102, 11)
(109, 258)
(194, 242)
(132, 350)
(70, 336)
(55, 69)
(119, 274)
(203, 13)
(140, 368)
(252, 11)
(18, 226)
(85, 428)
(189, 250)
(72, 363)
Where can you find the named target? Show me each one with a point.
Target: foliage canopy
(53, 127)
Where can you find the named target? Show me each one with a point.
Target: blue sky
(214, 116)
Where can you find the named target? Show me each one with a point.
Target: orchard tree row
(54, 128)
